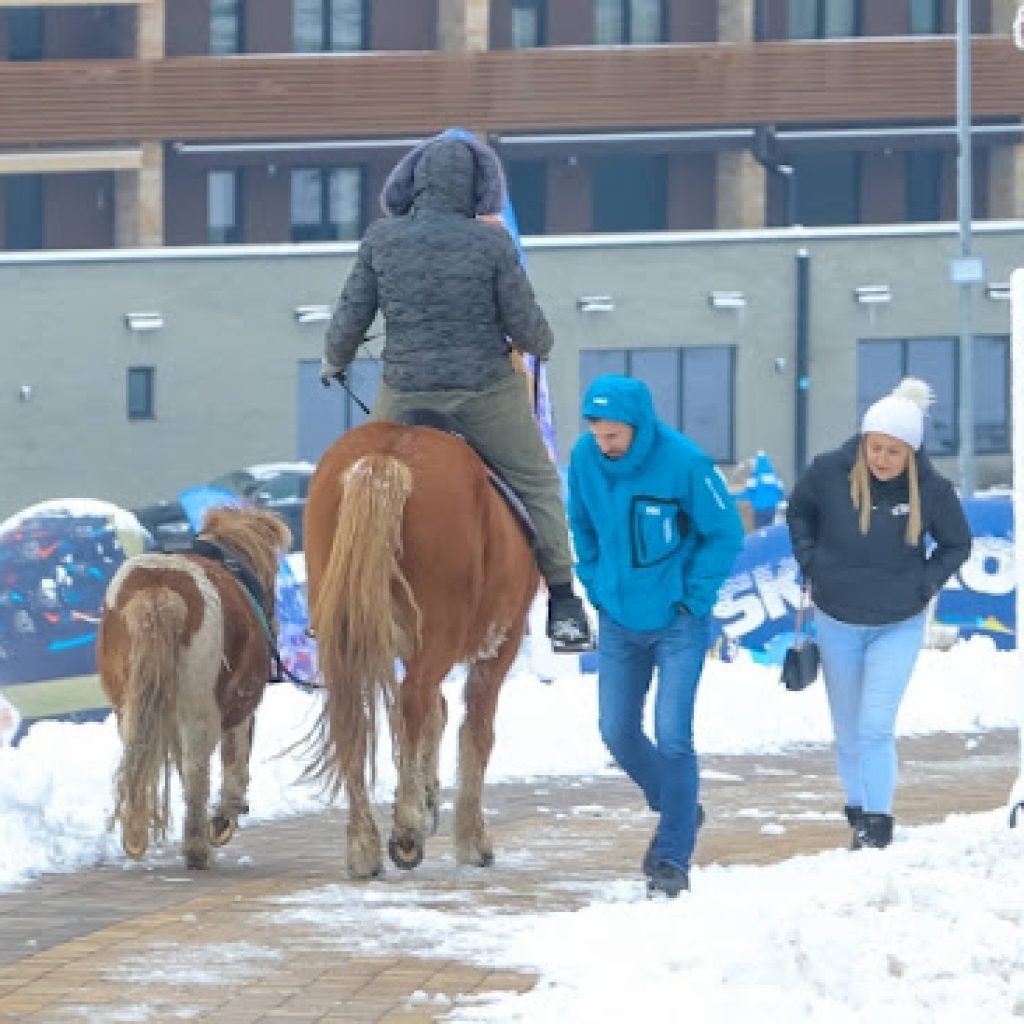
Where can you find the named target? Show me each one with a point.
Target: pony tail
(860, 490)
(365, 616)
(154, 621)
(914, 519)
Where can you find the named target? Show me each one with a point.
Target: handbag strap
(804, 611)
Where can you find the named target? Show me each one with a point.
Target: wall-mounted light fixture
(144, 321)
(998, 291)
(595, 304)
(727, 300)
(25, 393)
(872, 294)
(312, 314)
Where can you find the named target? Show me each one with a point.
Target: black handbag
(800, 666)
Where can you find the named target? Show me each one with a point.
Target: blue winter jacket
(656, 531)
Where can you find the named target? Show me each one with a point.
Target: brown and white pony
(413, 555)
(184, 657)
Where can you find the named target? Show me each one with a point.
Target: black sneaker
(667, 880)
(568, 628)
(647, 866)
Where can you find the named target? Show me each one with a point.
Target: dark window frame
(821, 13)
(322, 231)
(235, 233)
(726, 456)
(625, 7)
(141, 406)
(1002, 379)
(327, 27)
(540, 8)
(237, 12)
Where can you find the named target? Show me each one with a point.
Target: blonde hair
(860, 494)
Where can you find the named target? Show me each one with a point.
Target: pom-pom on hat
(901, 413)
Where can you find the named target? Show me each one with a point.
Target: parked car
(281, 487)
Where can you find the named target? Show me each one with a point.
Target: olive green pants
(500, 424)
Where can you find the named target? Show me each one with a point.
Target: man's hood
(454, 171)
(624, 400)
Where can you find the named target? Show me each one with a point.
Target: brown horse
(412, 555)
(183, 656)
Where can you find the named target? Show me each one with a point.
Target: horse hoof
(197, 862)
(221, 829)
(405, 855)
(134, 849)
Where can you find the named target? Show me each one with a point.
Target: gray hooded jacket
(450, 287)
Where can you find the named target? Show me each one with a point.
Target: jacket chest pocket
(657, 528)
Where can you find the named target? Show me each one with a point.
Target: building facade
(146, 122)
(747, 203)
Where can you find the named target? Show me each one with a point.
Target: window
(925, 17)
(882, 363)
(827, 188)
(140, 392)
(25, 33)
(227, 26)
(529, 23)
(693, 388)
(528, 193)
(629, 21)
(223, 221)
(924, 185)
(23, 211)
(326, 204)
(823, 19)
(330, 25)
(629, 193)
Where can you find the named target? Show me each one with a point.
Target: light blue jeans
(665, 768)
(867, 669)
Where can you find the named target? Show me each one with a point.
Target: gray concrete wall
(226, 358)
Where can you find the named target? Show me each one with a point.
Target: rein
(256, 597)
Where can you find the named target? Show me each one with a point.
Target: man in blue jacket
(656, 533)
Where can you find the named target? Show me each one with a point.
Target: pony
(412, 555)
(184, 655)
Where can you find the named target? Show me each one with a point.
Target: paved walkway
(153, 943)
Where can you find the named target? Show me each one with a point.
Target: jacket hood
(454, 171)
(624, 400)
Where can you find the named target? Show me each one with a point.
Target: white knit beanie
(901, 413)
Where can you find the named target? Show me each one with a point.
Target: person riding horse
(453, 293)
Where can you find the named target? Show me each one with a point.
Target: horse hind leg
(473, 845)
(422, 712)
(235, 752)
(363, 845)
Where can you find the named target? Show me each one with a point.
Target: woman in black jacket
(858, 520)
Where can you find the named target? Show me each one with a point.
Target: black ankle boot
(855, 816)
(875, 832)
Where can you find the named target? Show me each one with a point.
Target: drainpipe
(764, 154)
(803, 358)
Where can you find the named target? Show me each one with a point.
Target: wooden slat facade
(380, 94)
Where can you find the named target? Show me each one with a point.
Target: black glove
(329, 372)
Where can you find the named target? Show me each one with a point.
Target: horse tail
(154, 620)
(365, 615)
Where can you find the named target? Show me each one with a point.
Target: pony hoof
(406, 854)
(197, 862)
(221, 829)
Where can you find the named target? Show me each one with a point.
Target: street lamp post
(967, 270)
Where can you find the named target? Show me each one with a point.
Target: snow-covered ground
(930, 930)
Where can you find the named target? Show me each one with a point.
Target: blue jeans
(867, 669)
(665, 769)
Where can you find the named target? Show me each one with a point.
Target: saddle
(450, 425)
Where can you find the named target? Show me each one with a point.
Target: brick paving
(153, 943)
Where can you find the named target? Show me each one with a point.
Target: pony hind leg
(197, 747)
(363, 844)
(473, 845)
(235, 752)
(421, 715)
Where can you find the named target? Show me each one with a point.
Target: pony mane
(259, 536)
